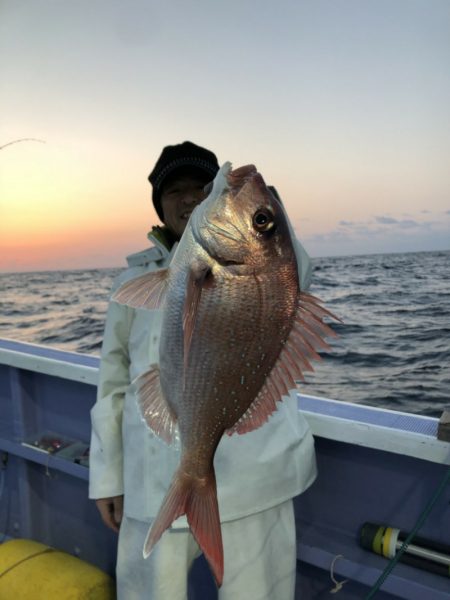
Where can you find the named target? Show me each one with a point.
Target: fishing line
(421, 520)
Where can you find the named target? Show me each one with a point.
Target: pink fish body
(237, 333)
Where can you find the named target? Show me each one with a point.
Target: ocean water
(393, 348)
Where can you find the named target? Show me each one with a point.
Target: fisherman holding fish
(204, 339)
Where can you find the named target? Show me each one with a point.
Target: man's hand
(111, 511)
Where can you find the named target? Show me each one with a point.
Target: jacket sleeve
(106, 452)
(304, 266)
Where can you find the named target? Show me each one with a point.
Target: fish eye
(263, 220)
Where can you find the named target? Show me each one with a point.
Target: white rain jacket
(254, 471)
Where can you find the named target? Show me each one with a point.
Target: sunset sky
(343, 105)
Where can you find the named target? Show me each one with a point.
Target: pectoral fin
(146, 291)
(194, 286)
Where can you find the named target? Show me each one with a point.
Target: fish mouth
(226, 262)
(233, 268)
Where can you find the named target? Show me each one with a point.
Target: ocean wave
(393, 347)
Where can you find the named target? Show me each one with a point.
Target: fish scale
(234, 365)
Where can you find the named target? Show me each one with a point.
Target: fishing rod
(22, 140)
(399, 554)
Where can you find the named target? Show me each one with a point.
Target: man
(258, 473)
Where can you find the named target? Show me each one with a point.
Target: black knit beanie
(179, 157)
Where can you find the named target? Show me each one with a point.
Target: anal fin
(258, 412)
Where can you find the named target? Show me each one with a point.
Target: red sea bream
(237, 333)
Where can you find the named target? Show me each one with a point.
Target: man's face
(179, 197)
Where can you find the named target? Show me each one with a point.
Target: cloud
(334, 243)
(386, 220)
(344, 227)
(408, 223)
(402, 223)
(382, 223)
(379, 234)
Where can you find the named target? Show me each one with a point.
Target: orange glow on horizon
(70, 250)
(61, 209)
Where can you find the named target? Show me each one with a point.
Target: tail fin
(197, 498)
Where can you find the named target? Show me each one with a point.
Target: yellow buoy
(33, 571)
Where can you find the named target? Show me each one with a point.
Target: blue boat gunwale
(50, 361)
(378, 428)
